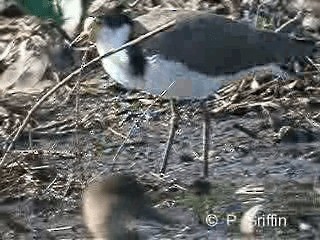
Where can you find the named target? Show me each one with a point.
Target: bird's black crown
(115, 19)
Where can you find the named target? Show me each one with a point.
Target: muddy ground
(264, 150)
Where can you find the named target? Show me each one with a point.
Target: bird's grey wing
(215, 45)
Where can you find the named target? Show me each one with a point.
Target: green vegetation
(44, 9)
(265, 23)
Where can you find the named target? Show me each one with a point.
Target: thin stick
(173, 129)
(206, 136)
(313, 64)
(77, 113)
(296, 18)
(76, 72)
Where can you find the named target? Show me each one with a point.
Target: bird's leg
(173, 128)
(205, 135)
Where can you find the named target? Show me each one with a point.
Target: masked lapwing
(199, 54)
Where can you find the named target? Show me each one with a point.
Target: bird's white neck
(117, 65)
(109, 38)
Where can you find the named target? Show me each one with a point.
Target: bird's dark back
(215, 45)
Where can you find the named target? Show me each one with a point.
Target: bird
(199, 54)
(111, 203)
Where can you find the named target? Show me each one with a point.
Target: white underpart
(161, 74)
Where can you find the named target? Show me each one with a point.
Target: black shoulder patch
(137, 60)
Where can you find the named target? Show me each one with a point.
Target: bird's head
(114, 28)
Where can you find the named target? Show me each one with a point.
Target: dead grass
(59, 172)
